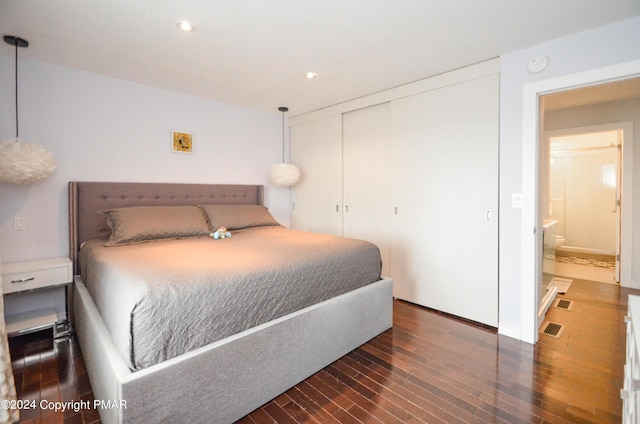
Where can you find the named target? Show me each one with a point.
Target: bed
(239, 367)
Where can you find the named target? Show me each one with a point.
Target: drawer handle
(23, 280)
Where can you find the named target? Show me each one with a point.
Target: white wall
(104, 129)
(597, 48)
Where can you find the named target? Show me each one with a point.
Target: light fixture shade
(24, 163)
(284, 175)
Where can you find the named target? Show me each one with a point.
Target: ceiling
(255, 53)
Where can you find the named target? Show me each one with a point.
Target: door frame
(531, 234)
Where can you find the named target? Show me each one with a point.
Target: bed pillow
(238, 217)
(144, 223)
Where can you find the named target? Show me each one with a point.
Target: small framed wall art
(182, 142)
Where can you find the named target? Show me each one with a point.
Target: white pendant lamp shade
(23, 163)
(20, 162)
(283, 174)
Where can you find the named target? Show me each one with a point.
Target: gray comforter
(163, 298)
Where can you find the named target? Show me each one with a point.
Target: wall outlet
(19, 223)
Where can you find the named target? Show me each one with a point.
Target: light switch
(516, 200)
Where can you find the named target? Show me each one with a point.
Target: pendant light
(20, 162)
(284, 174)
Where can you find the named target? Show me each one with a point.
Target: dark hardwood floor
(429, 368)
(51, 371)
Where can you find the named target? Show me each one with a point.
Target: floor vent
(564, 304)
(553, 329)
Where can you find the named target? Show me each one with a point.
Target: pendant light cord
(16, 42)
(282, 136)
(17, 132)
(283, 109)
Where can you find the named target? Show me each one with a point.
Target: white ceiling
(254, 53)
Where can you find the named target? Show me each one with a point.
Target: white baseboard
(509, 331)
(631, 284)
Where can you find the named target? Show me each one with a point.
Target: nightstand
(20, 278)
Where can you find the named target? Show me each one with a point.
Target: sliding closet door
(365, 147)
(316, 148)
(444, 185)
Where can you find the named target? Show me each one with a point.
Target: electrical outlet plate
(19, 223)
(516, 200)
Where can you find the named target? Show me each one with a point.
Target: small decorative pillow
(139, 224)
(238, 217)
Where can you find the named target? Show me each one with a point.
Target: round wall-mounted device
(537, 64)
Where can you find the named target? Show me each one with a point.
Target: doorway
(583, 196)
(531, 241)
(580, 198)
(579, 186)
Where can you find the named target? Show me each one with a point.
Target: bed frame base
(224, 381)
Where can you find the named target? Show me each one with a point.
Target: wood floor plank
(429, 368)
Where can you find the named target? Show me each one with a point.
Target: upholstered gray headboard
(86, 199)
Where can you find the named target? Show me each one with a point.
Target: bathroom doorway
(585, 157)
(537, 101)
(584, 199)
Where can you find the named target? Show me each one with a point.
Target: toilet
(559, 241)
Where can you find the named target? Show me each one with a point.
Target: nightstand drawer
(35, 275)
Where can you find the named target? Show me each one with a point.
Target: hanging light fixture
(20, 162)
(284, 174)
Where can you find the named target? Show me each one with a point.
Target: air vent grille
(564, 304)
(552, 329)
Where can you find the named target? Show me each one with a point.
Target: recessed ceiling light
(185, 26)
(310, 75)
